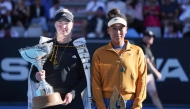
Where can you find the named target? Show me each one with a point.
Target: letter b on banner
(14, 69)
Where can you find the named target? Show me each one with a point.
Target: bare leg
(155, 99)
(151, 88)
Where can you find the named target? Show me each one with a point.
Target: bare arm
(156, 72)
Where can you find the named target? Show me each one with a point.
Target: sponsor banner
(171, 58)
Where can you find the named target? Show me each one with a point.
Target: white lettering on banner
(176, 72)
(19, 67)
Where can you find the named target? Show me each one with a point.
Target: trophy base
(51, 99)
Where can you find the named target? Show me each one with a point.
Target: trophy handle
(44, 88)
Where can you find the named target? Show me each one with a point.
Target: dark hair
(174, 26)
(100, 8)
(115, 13)
(134, 3)
(55, 2)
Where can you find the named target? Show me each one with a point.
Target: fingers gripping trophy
(37, 55)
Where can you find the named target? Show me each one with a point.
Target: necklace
(122, 68)
(53, 57)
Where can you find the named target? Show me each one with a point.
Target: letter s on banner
(15, 69)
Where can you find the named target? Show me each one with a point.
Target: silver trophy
(37, 56)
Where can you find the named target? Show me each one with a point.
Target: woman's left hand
(68, 99)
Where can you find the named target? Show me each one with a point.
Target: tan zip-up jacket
(106, 74)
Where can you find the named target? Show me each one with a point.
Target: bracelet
(73, 93)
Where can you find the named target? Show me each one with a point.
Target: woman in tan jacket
(121, 65)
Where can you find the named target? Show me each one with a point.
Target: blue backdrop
(171, 56)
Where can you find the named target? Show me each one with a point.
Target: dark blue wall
(172, 60)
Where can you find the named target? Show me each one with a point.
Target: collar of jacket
(127, 47)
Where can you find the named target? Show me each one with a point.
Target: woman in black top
(63, 69)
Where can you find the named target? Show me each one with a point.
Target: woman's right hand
(40, 75)
(159, 76)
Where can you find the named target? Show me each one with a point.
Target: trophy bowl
(51, 99)
(37, 55)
